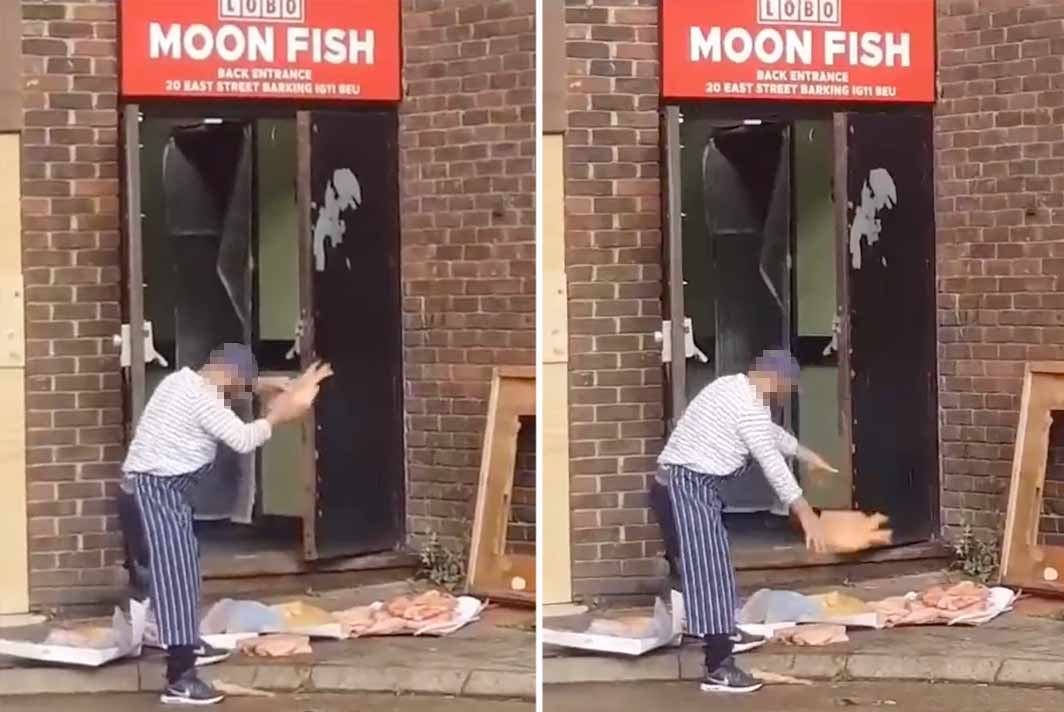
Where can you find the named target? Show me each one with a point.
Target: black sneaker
(207, 654)
(729, 678)
(190, 690)
(743, 642)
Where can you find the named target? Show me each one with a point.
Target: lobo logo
(799, 12)
(262, 10)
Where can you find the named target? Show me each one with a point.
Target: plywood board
(492, 571)
(10, 204)
(14, 563)
(555, 553)
(1024, 563)
(14, 557)
(555, 317)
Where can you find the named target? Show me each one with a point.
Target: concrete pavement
(1014, 649)
(493, 658)
(867, 697)
(289, 703)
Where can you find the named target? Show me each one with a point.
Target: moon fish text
(796, 47)
(250, 43)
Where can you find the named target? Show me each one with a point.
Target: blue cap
(239, 358)
(778, 362)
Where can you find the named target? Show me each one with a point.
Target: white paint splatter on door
(343, 192)
(878, 193)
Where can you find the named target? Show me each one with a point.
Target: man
(174, 446)
(726, 425)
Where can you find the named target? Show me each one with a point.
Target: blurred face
(238, 387)
(775, 388)
(228, 380)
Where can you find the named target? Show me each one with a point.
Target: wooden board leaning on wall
(492, 571)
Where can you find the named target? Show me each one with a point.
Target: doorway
(221, 265)
(766, 263)
(760, 272)
(224, 203)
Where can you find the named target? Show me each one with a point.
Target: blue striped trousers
(173, 554)
(709, 591)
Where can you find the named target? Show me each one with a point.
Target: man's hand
(298, 395)
(814, 535)
(815, 461)
(814, 531)
(819, 463)
(267, 387)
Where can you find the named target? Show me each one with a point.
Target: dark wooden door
(353, 319)
(890, 284)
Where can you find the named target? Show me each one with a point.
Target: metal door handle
(150, 354)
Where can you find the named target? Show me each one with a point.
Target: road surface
(297, 703)
(821, 697)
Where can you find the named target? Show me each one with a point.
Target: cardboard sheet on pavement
(666, 629)
(128, 635)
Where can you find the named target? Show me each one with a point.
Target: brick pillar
(1000, 174)
(468, 218)
(613, 256)
(72, 274)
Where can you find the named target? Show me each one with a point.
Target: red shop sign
(261, 49)
(799, 50)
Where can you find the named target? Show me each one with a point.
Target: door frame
(133, 242)
(671, 116)
(304, 199)
(132, 303)
(132, 306)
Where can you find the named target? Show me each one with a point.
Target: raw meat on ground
(401, 615)
(277, 646)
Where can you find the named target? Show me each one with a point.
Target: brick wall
(468, 261)
(72, 275)
(1000, 177)
(1000, 217)
(1051, 526)
(521, 534)
(613, 257)
(468, 216)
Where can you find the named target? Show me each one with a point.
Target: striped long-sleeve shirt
(724, 425)
(182, 425)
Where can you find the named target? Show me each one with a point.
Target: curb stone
(275, 678)
(352, 679)
(600, 669)
(59, 681)
(937, 668)
(493, 683)
(686, 665)
(1031, 672)
(146, 676)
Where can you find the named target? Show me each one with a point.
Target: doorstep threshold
(797, 556)
(223, 566)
